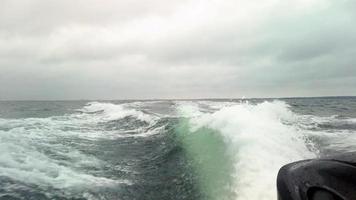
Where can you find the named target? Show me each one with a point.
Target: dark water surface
(202, 149)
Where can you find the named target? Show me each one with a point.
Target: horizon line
(182, 99)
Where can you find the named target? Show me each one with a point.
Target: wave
(230, 150)
(109, 112)
(39, 162)
(257, 139)
(52, 152)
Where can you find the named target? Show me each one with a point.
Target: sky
(147, 49)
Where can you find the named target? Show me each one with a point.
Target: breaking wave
(52, 153)
(257, 139)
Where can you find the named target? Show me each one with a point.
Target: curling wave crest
(259, 139)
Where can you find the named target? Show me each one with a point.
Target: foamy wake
(260, 139)
(30, 147)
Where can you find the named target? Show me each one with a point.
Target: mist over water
(211, 149)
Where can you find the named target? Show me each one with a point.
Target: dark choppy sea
(153, 150)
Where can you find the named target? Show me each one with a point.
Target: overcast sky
(119, 49)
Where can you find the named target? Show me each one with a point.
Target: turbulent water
(202, 149)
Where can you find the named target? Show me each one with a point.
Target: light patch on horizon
(88, 49)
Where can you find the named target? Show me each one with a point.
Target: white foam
(260, 140)
(109, 112)
(352, 120)
(21, 160)
(23, 143)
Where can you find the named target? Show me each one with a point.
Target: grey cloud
(186, 49)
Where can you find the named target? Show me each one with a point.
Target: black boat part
(331, 178)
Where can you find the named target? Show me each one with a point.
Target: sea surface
(160, 150)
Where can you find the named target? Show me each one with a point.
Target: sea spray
(257, 140)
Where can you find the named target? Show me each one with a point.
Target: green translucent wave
(210, 160)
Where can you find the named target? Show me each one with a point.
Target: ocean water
(150, 150)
